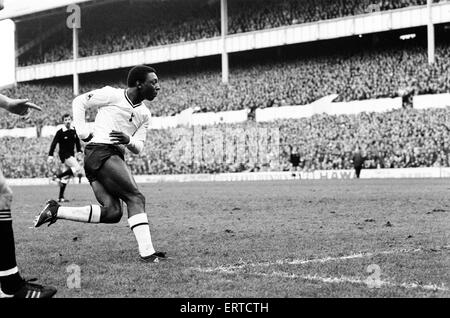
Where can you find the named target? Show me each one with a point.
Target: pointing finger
(33, 106)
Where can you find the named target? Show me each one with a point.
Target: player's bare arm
(17, 106)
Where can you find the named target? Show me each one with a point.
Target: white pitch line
(233, 269)
(355, 280)
(322, 260)
(331, 280)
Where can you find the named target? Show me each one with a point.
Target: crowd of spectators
(24, 157)
(353, 74)
(127, 26)
(401, 138)
(396, 139)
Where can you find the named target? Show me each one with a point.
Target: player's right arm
(3, 101)
(96, 98)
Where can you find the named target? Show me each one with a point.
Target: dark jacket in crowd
(358, 160)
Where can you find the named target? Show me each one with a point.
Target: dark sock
(66, 173)
(62, 188)
(11, 283)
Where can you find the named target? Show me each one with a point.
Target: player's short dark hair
(138, 73)
(66, 115)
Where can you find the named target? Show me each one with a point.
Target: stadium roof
(18, 8)
(26, 9)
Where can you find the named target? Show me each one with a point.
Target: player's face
(67, 122)
(150, 87)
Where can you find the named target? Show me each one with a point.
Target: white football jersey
(115, 112)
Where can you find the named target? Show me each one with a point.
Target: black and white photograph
(224, 154)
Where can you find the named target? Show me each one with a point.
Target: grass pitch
(349, 238)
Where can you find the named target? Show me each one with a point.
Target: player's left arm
(134, 143)
(17, 106)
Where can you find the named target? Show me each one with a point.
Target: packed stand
(353, 74)
(24, 157)
(396, 139)
(154, 23)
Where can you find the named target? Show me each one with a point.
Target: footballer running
(121, 123)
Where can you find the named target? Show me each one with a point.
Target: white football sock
(9, 272)
(139, 225)
(86, 214)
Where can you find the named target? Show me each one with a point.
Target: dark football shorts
(95, 155)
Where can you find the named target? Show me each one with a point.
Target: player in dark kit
(68, 140)
(11, 283)
(121, 123)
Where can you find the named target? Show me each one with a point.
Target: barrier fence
(300, 176)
